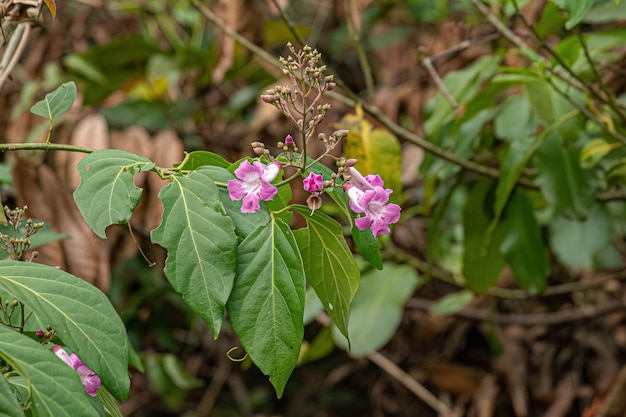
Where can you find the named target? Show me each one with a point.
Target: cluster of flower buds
(90, 380)
(331, 141)
(45, 336)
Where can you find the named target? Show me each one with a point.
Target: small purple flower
(313, 183)
(368, 197)
(289, 140)
(90, 380)
(254, 184)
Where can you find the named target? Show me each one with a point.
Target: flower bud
(39, 333)
(313, 183)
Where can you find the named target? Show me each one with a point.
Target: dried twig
(411, 384)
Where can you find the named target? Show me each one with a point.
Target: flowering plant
(230, 249)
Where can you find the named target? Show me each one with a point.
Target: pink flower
(313, 183)
(90, 380)
(254, 184)
(367, 196)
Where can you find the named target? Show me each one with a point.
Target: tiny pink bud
(39, 333)
(289, 140)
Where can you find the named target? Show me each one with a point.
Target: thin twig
(42, 147)
(289, 24)
(357, 38)
(499, 26)
(411, 384)
(439, 82)
(537, 319)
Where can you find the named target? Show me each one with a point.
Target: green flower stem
(42, 147)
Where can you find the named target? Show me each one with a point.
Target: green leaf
(595, 150)
(568, 188)
(519, 154)
(57, 102)
(266, 305)
(515, 120)
(378, 307)
(452, 303)
(523, 247)
(81, 315)
(107, 193)
(577, 10)
(368, 246)
(55, 388)
(330, 266)
(579, 243)
(482, 260)
(196, 159)
(201, 244)
(9, 405)
(280, 201)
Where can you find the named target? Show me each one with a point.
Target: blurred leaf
(81, 315)
(551, 20)
(482, 259)
(377, 308)
(595, 150)
(566, 186)
(312, 305)
(201, 244)
(9, 406)
(577, 243)
(606, 12)
(577, 10)
(452, 303)
(55, 388)
(57, 102)
(523, 247)
(330, 267)
(321, 346)
(107, 193)
(462, 85)
(266, 305)
(175, 370)
(515, 120)
(376, 150)
(149, 114)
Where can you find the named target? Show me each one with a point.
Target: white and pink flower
(90, 380)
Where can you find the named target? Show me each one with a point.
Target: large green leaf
(568, 188)
(378, 307)
(82, 316)
(330, 267)
(55, 388)
(57, 102)
(9, 405)
(523, 247)
(482, 260)
(266, 306)
(201, 244)
(107, 193)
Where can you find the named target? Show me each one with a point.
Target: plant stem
(42, 147)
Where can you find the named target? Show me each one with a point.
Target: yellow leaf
(376, 150)
(52, 7)
(595, 150)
